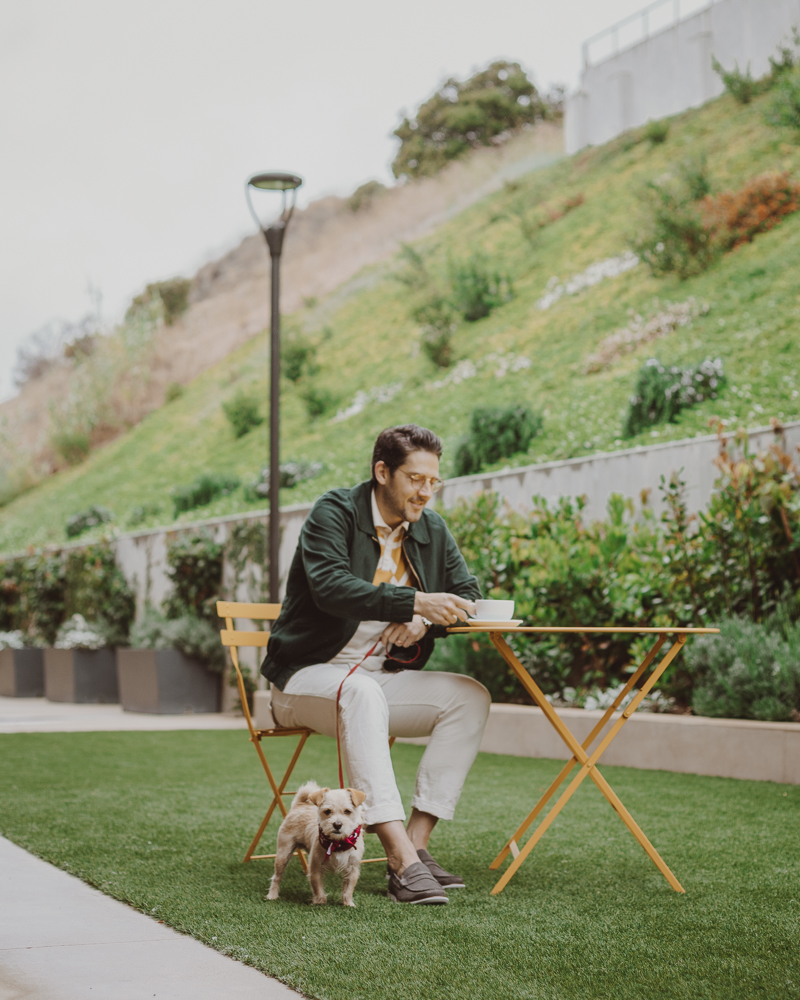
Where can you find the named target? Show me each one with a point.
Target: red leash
(339, 695)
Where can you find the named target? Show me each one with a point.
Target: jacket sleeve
(458, 580)
(325, 542)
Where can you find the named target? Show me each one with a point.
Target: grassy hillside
(368, 343)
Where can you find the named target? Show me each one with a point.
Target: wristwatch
(426, 622)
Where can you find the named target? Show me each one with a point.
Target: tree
(465, 115)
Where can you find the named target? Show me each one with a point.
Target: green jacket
(329, 590)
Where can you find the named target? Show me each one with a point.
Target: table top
(638, 630)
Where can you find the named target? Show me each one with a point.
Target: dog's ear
(318, 796)
(357, 796)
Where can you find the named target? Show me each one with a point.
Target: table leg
(512, 845)
(588, 764)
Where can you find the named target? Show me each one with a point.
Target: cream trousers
(450, 708)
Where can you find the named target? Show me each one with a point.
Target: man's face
(398, 496)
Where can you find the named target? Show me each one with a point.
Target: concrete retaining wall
(671, 70)
(725, 748)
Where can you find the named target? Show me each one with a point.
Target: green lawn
(161, 821)
(367, 340)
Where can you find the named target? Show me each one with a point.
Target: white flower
(77, 633)
(611, 267)
(11, 640)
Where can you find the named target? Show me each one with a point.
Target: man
(374, 566)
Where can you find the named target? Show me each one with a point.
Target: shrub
(318, 400)
(694, 174)
(96, 588)
(172, 295)
(739, 557)
(783, 109)
(436, 318)
(173, 391)
(84, 520)
(748, 671)
(741, 86)
(736, 217)
(298, 358)
(495, 434)
(476, 288)
(365, 195)
(192, 635)
(242, 413)
(77, 633)
(202, 491)
(72, 444)
(656, 131)
(675, 239)
(292, 474)
(195, 568)
(462, 115)
(143, 512)
(661, 392)
(683, 235)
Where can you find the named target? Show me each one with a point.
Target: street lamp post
(274, 233)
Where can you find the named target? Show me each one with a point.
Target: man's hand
(443, 609)
(404, 633)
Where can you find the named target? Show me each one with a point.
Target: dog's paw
(272, 894)
(319, 900)
(347, 902)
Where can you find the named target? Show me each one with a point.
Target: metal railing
(638, 27)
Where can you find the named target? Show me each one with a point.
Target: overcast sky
(127, 129)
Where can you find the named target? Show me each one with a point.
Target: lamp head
(275, 182)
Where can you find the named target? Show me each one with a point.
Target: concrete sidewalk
(38, 715)
(62, 940)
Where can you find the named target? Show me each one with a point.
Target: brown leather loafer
(447, 880)
(416, 885)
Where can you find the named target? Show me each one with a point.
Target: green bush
(195, 567)
(318, 400)
(695, 176)
(173, 391)
(365, 195)
(194, 636)
(741, 86)
(242, 412)
(495, 434)
(477, 289)
(298, 357)
(748, 671)
(462, 115)
(656, 131)
(84, 520)
(96, 588)
(673, 236)
(203, 490)
(738, 558)
(783, 109)
(72, 444)
(172, 295)
(435, 317)
(661, 393)
(476, 657)
(143, 512)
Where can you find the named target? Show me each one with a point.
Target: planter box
(689, 744)
(21, 673)
(166, 682)
(81, 676)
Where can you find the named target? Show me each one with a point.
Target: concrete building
(658, 62)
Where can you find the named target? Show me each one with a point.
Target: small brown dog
(327, 824)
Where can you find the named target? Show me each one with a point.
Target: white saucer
(508, 623)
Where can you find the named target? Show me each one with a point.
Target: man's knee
(363, 694)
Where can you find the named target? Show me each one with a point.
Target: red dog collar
(332, 846)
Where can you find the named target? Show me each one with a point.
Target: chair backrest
(233, 638)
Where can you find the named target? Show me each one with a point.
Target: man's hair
(395, 444)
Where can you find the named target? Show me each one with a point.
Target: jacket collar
(362, 496)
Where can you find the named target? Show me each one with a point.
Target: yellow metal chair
(233, 639)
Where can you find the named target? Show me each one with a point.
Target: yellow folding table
(581, 754)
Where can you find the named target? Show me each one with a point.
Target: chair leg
(277, 800)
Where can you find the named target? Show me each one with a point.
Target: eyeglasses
(418, 480)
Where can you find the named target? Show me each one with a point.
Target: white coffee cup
(494, 611)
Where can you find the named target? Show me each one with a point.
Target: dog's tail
(304, 792)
